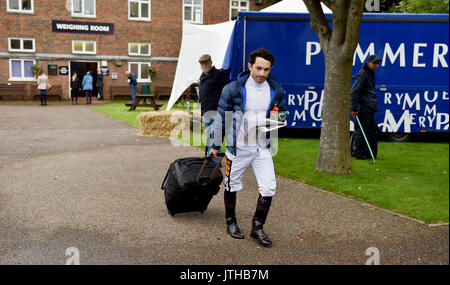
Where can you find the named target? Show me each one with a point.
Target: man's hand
(354, 114)
(213, 153)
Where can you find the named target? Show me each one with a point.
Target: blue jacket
(133, 81)
(87, 82)
(233, 99)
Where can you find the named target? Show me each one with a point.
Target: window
(141, 70)
(20, 6)
(139, 10)
(88, 47)
(19, 69)
(139, 49)
(236, 6)
(193, 11)
(83, 8)
(21, 45)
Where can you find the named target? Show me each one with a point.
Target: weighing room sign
(76, 27)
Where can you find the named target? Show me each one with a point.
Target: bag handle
(163, 185)
(220, 155)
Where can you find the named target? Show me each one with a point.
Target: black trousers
(88, 96)
(74, 95)
(370, 128)
(100, 93)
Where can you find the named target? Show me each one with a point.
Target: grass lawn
(412, 179)
(120, 111)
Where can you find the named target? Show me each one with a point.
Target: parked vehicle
(412, 81)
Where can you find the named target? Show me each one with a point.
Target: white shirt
(256, 106)
(42, 81)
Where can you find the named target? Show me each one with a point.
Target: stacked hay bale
(161, 123)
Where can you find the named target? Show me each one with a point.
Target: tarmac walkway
(71, 177)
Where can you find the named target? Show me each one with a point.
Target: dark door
(81, 68)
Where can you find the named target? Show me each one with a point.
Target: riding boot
(230, 206)
(259, 219)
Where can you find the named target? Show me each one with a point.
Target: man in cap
(364, 104)
(210, 87)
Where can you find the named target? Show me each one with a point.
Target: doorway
(81, 67)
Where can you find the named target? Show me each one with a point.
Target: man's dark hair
(262, 52)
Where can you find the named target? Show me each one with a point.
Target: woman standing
(42, 82)
(87, 87)
(75, 86)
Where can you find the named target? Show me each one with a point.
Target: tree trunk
(334, 150)
(338, 45)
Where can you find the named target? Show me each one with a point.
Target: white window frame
(82, 14)
(192, 12)
(20, 10)
(140, 18)
(139, 53)
(138, 73)
(21, 49)
(239, 6)
(22, 78)
(84, 47)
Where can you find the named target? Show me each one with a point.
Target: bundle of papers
(270, 125)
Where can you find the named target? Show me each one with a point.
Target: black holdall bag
(190, 184)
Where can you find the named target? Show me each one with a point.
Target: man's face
(206, 66)
(373, 65)
(260, 70)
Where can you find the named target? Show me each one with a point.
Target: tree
(338, 44)
(421, 6)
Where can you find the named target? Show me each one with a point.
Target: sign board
(52, 69)
(77, 27)
(63, 70)
(105, 70)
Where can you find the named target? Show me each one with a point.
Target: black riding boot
(262, 209)
(230, 206)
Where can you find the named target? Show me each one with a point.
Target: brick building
(63, 36)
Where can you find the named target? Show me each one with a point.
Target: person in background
(364, 104)
(100, 84)
(42, 81)
(133, 84)
(87, 86)
(210, 87)
(75, 86)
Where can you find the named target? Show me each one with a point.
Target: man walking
(100, 84)
(250, 98)
(364, 104)
(210, 88)
(133, 84)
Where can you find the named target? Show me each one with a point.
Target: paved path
(71, 177)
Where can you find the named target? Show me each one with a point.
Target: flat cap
(205, 57)
(373, 58)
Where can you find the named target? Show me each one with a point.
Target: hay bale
(161, 123)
